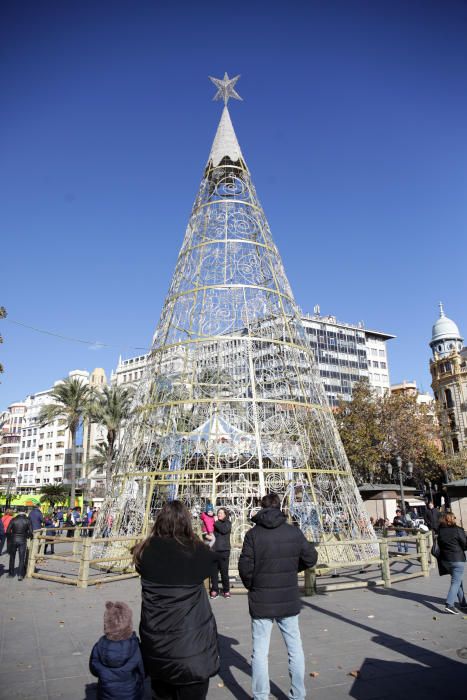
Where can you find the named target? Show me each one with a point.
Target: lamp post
(402, 475)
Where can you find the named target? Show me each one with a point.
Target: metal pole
(401, 483)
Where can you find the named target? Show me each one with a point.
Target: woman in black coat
(177, 630)
(452, 544)
(222, 528)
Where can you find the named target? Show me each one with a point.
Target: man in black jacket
(18, 532)
(272, 555)
(432, 517)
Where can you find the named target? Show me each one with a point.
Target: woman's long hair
(448, 520)
(172, 522)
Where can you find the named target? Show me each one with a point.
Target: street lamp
(402, 475)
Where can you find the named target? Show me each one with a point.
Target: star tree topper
(226, 88)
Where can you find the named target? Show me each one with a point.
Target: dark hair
(271, 500)
(173, 521)
(227, 514)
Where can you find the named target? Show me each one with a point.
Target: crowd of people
(16, 528)
(178, 643)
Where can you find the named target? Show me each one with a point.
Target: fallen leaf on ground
(354, 674)
(434, 617)
(12, 618)
(220, 685)
(370, 617)
(314, 674)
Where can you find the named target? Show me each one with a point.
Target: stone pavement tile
(69, 687)
(18, 660)
(63, 664)
(35, 690)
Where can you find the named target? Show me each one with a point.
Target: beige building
(448, 368)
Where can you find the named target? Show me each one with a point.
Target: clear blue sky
(354, 125)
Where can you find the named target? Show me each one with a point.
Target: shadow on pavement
(420, 598)
(432, 675)
(230, 658)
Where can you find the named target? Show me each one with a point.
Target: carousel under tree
(231, 404)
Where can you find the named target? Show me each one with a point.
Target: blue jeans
(261, 629)
(456, 590)
(400, 545)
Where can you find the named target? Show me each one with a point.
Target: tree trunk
(108, 472)
(73, 469)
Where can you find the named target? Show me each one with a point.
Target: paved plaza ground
(400, 643)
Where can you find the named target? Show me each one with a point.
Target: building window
(448, 397)
(455, 444)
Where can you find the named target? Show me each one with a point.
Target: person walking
(400, 523)
(222, 528)
(177, 630)
(50, 532)
(272, 555)
(2, 536)
(36, 518)
(6, 518)
(432, 516)
(116, 658)
(18, 532)
(452, 544)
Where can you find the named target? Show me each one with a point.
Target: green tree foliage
(375, 429)
(3, 314)
(73, 401)
(361, 432)
(54, 494)
(111, 409)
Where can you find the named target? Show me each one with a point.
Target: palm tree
(73, 401)
(111, 410)
(54, 493)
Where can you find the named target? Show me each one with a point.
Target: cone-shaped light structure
(231, 405)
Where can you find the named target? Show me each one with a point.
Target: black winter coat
(119, 668)
(178, 630)
(452, 543)
(432, 519)
(222, 530)
(272, 555)
(19, 530)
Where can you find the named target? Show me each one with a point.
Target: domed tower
(445, 336)
(448, 369)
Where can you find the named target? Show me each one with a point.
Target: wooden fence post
(32, 556)
(83, 573)
(76, 540)
(385, 568)
(310, 582)
(423, 554)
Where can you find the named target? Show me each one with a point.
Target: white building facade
(345, 354)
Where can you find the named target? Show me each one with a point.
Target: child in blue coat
(116, 658)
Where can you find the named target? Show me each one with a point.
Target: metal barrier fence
(82, 568)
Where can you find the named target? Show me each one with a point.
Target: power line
(90, 343)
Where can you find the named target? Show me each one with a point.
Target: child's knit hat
(209, 508)
(118, 621)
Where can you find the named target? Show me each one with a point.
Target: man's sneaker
(213, 595)
(462, 606)
(226, 595)
(20, 578)
(451, 609)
